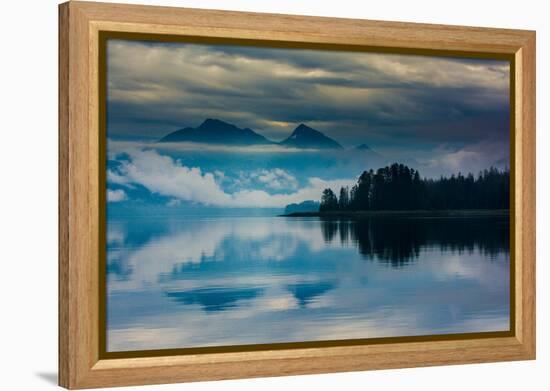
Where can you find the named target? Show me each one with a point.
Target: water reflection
(306, 293)
(397, 241)
(224, 281)
(214, 299)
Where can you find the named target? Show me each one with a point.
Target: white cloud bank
(168, 177)
(116, 195)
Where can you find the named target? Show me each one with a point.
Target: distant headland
(400, 189)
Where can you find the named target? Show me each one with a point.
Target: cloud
(471, 158)
(117, 146)
(113, 177)
(166, 176)
(174, 202)
(116, 195)
(355, 97)
(192, 146)
(115, 235)
(278, 179)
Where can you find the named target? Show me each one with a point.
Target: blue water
(178, 282)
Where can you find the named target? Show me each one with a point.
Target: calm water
(188, 282)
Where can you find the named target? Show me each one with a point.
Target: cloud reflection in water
(207, 281)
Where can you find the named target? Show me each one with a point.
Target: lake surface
(179, 282)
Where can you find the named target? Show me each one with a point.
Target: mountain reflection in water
(187, 282)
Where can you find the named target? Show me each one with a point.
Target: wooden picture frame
(81, 24)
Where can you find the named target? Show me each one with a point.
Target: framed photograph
(247, 195)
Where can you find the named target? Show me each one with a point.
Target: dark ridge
(305, 137)
(215, 131)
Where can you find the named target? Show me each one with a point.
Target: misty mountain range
(215, 131)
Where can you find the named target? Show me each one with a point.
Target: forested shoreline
(398, 187)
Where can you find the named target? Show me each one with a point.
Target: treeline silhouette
(398, 187)
(398, 242)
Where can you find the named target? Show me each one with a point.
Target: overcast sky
(398, 104)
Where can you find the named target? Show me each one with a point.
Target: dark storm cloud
(390, 101)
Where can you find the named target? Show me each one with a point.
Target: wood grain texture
(528, 189)
(63, 222)
(79, 206)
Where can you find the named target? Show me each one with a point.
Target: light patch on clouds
(116, 195)
(190, 146)
(168, 177)
(117, 146)
(440, 72)
(470, 158)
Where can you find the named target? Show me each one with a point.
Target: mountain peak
(215, 131)
(304, 136)
(213, 121)
(363, 147)
(304, 128)
(368, 151)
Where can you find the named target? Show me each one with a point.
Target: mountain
(214, 131)
(363, 147)
(305, 137)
